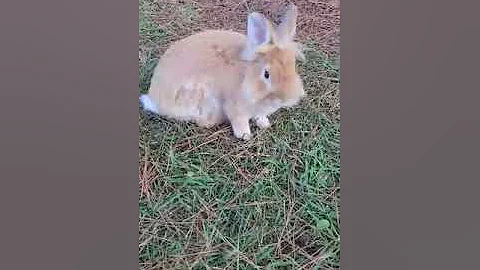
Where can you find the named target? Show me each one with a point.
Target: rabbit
(219, 76)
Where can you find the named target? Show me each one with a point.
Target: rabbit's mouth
(290, 103)
(274, 101)
(293, 101)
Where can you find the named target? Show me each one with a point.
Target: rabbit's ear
(259, 33)
(286, 29)
(258, 30)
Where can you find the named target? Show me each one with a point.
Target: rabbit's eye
(266, 74)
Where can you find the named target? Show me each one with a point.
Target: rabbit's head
(272, 52)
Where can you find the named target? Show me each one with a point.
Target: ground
(210, 201)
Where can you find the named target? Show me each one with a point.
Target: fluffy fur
(217, 76)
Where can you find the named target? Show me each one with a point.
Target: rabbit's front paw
(262, 122)
(242, 134)
(241, 129)
(245, 136)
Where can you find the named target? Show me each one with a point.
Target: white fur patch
(148, 104)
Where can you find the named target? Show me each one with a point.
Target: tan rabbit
(217, 76)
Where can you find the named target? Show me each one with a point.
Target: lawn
(210, 201)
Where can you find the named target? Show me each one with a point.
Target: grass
(210, 201)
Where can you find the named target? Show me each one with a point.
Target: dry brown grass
(319, 20)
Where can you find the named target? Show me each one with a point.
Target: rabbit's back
(195, 74)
